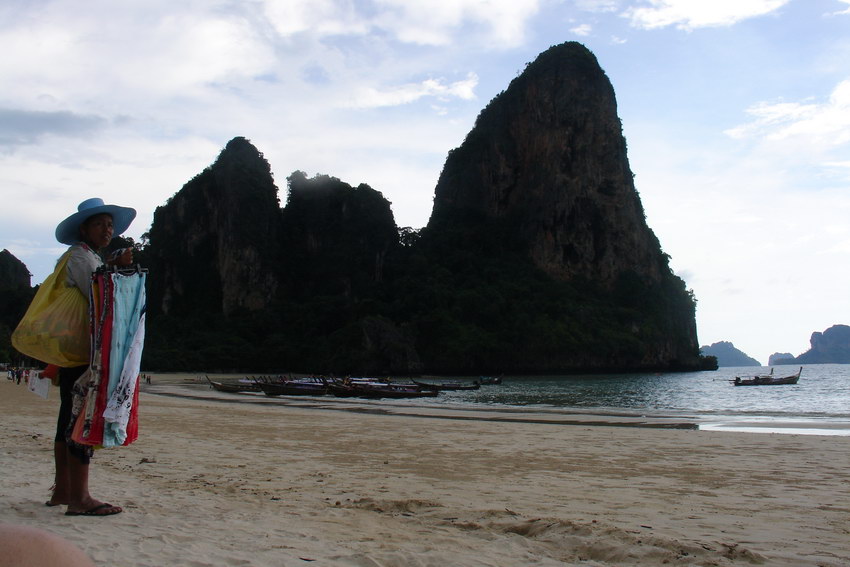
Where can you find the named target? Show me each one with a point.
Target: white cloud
(186, 51)
(597, 5)
(81, 54)
(421, 22)
(321, 17)
(691, 14)
(370, 97)
(51, 179)
(438, 22)
(838, 164)
(582, 30)
(822, 125)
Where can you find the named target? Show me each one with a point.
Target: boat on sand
(306, 387)
(359, 388)
(233, 387)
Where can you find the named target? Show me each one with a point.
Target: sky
(736, 114)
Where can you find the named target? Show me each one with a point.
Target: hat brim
(68, 231)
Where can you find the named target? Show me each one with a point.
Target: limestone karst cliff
(238, 282)
(213, 245)
(546, 166)
(548, 156)
(13, 273)
(15, 296)
(537, 257)
(336, 238)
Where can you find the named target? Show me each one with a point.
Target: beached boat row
(370, 388)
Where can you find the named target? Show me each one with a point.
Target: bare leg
(72, 474)
(80, 500)
(61, 483)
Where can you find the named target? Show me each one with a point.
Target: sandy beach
(223, 479)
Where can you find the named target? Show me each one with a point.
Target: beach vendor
(88, 231)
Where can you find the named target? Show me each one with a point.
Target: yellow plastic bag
(55, 328)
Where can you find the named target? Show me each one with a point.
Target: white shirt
(81, 265)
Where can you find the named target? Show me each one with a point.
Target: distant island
(777, 356)
(832, 346)
(728, 355)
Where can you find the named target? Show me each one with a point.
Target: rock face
(537, 256)
(336, 238)
(386, 348)
(728, 355)
(546, 165)
(222, 244)
(215, 242)
(13, 273)
(238, 282)
(548, 155)
(15, 297)
(829, 347)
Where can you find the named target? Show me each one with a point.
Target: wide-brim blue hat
(68, 231)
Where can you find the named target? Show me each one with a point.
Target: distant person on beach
(88, 232)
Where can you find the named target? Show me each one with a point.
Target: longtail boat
(233, 387)
(767, 379)
(449, 386)
(358, 388)
(305, 387)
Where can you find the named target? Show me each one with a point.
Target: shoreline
(192, 386)
(218, 483)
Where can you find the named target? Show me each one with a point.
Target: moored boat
(767, 379)
(359, 388)
(233, 387)
(449, 386)
(294, 388)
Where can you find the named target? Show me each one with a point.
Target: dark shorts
(67, 378)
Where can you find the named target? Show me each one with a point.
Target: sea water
(818, 403)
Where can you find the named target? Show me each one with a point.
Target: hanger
(123, 270)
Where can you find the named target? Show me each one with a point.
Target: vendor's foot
(56, 498)
(93, 508)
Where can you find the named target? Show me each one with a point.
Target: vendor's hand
(122, 257)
